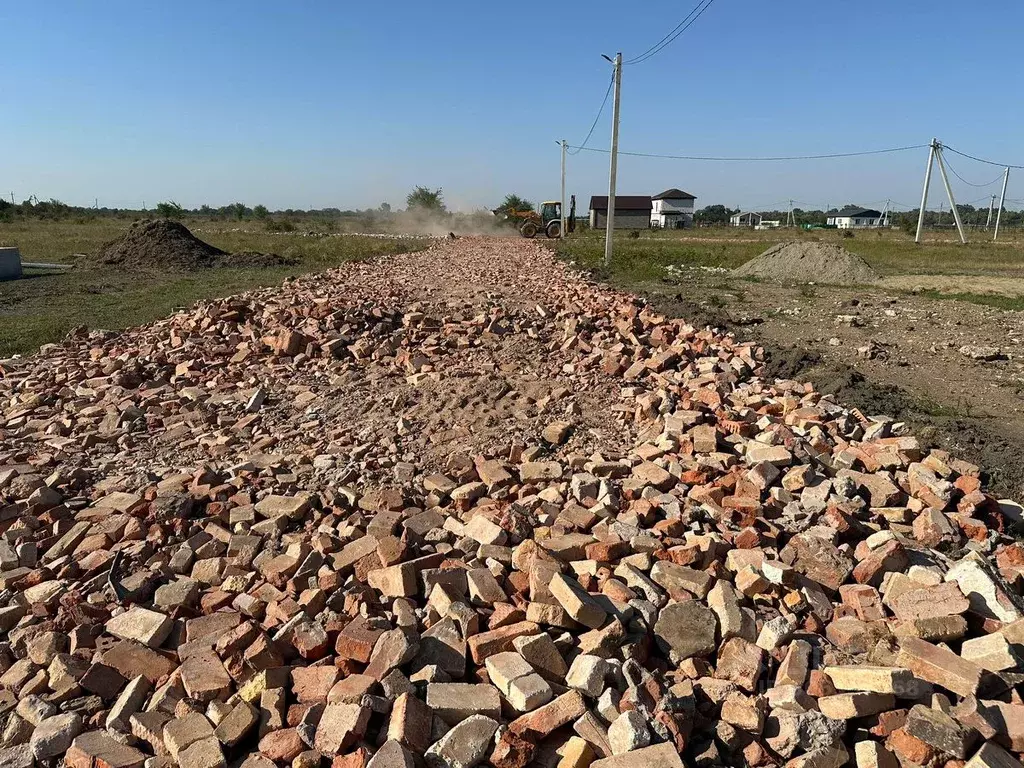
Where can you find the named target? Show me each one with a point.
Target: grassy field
(890, 253)
(45, 305)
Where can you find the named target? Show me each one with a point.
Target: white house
(854, 218)
(672, 209)
(745, 219)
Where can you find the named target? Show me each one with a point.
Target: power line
(679, 28)
(996, 180)
(590, 133)
(758, 159)
(979, 159)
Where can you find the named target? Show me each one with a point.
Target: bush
(848, 233)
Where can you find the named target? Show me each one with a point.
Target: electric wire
(979, 159)
(757, 159)
(590, 133)
(666, 37)
(996, 180)
(682, 26)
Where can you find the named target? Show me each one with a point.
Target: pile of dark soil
(809, 263)
(164, 244)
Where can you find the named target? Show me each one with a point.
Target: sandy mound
(169, 245)
(809, 263)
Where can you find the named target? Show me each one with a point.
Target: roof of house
(622, 203)
(674, 194)
(854, 212)
(741, 214)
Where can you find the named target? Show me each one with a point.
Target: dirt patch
(1012, 287)
(797, 262)
(166, 244)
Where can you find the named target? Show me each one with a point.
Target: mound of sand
(809, 263)
(164, 244)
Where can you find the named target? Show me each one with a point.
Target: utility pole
(613, 168)
(883, 217)
(791, 219)
(1002, 204)
(924, 193)
(991, 206)
(949, 194)
(561, 230)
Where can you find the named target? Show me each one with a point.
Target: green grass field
(891, 253)
(44, 305)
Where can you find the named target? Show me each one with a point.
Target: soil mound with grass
(164, 244)
(809, 263)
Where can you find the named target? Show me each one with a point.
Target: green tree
(511, 203)
(260, 211)
(713, 214)
(169, 210)
(385, 208)
(424, 199)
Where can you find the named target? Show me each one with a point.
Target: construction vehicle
(549, 220)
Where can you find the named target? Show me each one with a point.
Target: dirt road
(464, 503)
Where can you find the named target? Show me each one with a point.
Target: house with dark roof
(853, 217)
(671, 209)
(631, 211)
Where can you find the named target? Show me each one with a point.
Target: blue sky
(350, 104)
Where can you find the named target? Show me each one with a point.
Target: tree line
(421, 200)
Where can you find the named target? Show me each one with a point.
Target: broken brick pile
(762, 577)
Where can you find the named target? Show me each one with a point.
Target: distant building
(769, 224)
(747, 219)
(631, 212)
(854, 218)
(672, 209)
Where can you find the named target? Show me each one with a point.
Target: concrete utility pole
(561, 231)
(884, 218)
(613, 168)
(991, 207)
(1002, 204)
(924, 193)
(949, 194)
